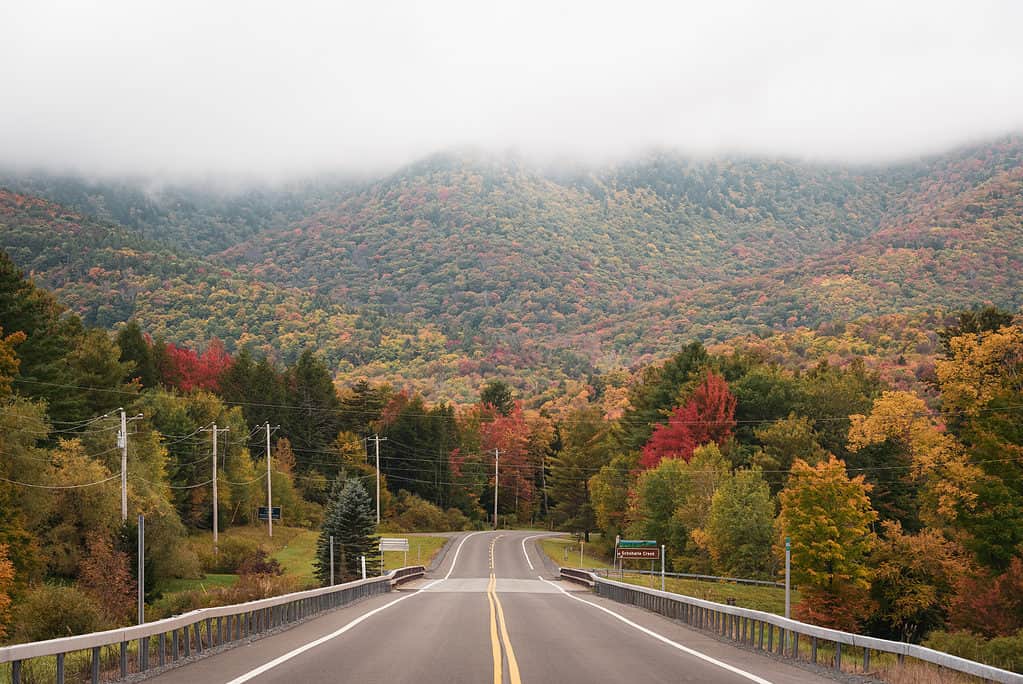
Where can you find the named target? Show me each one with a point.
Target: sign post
(393, 544)
(662, 567)
(788, 569)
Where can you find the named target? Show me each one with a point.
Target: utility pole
(216, 522)
(142, 569)
(378, 439)
(122, 443)
(497, 460)
(269, 487)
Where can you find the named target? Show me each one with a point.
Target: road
(492, 611)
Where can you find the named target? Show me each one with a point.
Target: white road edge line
(664, 639)
(251, 674)
(524, 549)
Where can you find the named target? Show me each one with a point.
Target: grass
(296, 555)
(565, 551)
(210, 581)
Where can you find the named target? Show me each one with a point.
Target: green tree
(740, 528)
(828, 517)
(97, 370)
(498, 394)
(782, 442)
(915, 579)
(137, 353)
(571, 469)
(350, 519)
(657, 391)
(312, 420)
(51, 333)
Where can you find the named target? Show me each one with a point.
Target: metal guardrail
(752, 627)
(191, 632)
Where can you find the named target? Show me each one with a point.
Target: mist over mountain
(466, 265)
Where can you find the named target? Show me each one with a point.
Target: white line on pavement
(313, 644)
(664, 639)
(524, 549)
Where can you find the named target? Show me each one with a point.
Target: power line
(75, 486)
(1011, 408)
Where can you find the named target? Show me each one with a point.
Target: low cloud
(283, 89)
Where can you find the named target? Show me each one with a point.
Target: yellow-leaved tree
(939, 464)
(827, 515)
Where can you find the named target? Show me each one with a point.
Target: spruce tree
(350, 519)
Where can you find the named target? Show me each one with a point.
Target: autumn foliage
(708, 416)
(189, 370)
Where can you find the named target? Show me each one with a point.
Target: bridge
(493, 608)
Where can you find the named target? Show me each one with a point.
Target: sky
(280, 89)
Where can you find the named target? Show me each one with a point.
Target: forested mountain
(466, 266)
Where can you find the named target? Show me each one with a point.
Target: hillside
(462, 267)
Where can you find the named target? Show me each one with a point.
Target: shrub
(233, 551)
(49, 611)
(260, 563)
(1004, 652)
(456, 520)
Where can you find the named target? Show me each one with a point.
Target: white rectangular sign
(393, 544)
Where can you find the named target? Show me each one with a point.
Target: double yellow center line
(497, 620)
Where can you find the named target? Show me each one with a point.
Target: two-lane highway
(491, 612)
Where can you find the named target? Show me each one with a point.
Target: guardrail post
(124, 659)
(866, 659)
(175, 647)
(813, 649)
(60, 668)
(186, 633)
(161, 646)
(95, 664)
(770, 639)
(15, 672)
(143, 654)
(220, 631)
(838, 655)
(795, 645)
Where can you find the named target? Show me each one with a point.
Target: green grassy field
(768, 599)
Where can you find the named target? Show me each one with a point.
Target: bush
(456, 520)
(260, 563)
(412, 513)
(49, 611)
(233, 552)
(1004, 652)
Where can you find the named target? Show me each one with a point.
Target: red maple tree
(708, 416)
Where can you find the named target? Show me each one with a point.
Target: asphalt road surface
(492, 611)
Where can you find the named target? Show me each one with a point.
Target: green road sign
(637, 544)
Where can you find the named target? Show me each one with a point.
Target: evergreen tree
(137, 350)
(349, 518)
(312, 420)
(496, 393)
(360, 406)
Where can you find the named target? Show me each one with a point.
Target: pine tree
(349, 518)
